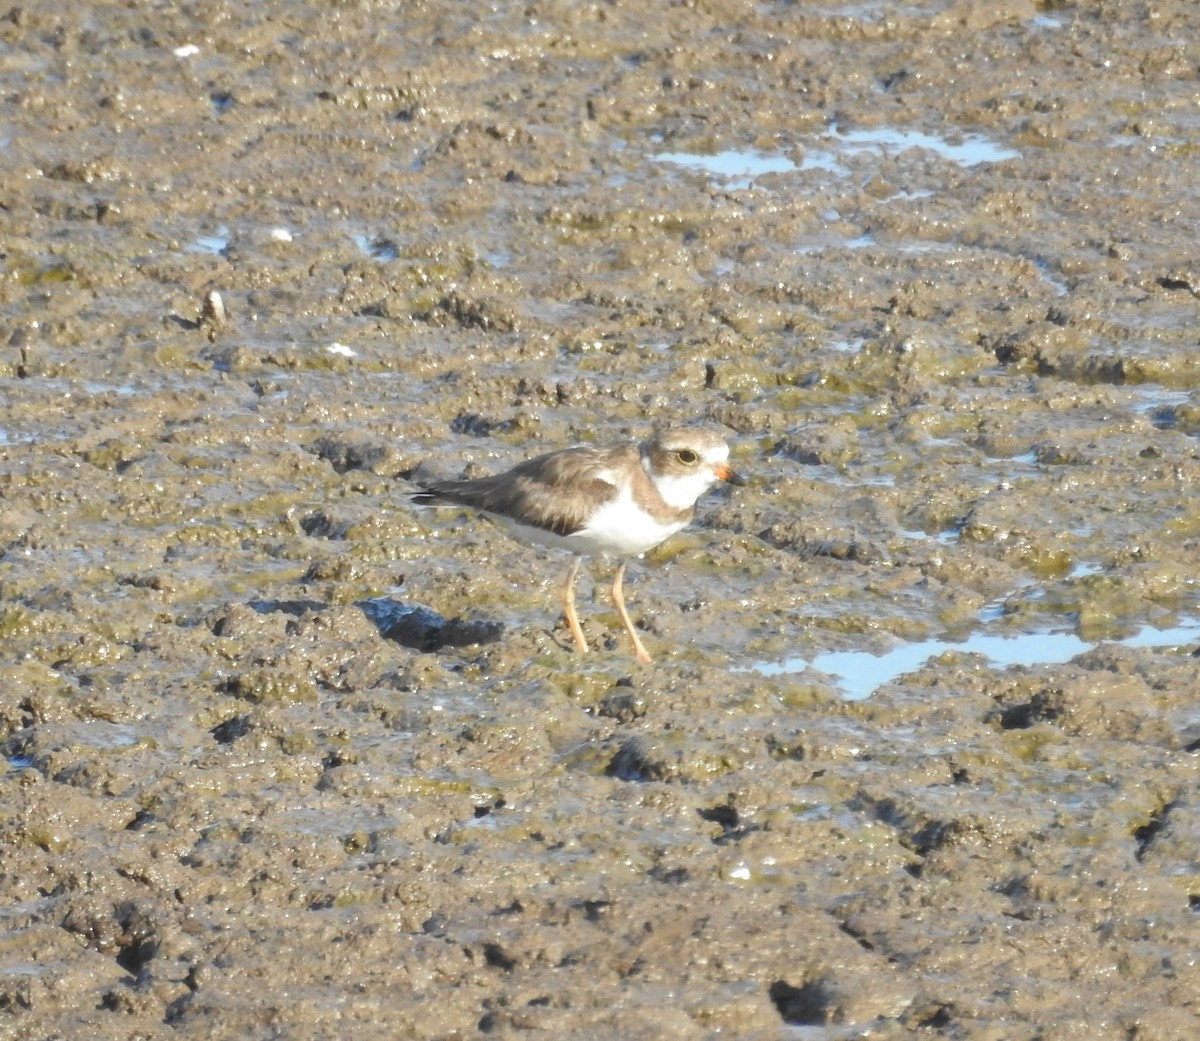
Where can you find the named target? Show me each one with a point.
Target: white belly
(622, 529)
(618, 529)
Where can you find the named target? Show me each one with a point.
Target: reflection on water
(861, 673)
(739, 168)
(966, 150)
(377, 248)
(216, 243)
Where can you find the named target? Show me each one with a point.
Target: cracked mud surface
(285, 759)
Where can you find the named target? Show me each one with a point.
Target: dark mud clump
(286, 759)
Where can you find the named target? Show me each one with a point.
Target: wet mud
(285, 758)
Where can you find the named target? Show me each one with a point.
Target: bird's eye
(686, 456)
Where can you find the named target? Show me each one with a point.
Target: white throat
(681, 492)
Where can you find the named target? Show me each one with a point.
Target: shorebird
(598, 502)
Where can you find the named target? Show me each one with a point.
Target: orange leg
(618, 596)
(568, 599)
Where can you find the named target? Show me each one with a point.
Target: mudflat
(288, 759)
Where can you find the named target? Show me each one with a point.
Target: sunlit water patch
(860, 673)
(740, 168)
(736, 168)
(966, 150)
(217, 243)
(1051, 277)
(875, 11)
(1158, 404)
(377, 248)
(946, 536)
(496, 258)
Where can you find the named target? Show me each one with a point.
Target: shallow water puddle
(217, 243)
(376, 248)
(738, 168)
(861, 673)
(968, 150)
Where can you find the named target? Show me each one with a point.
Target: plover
(598, 502)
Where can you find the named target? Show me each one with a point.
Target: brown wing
(555, 492)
